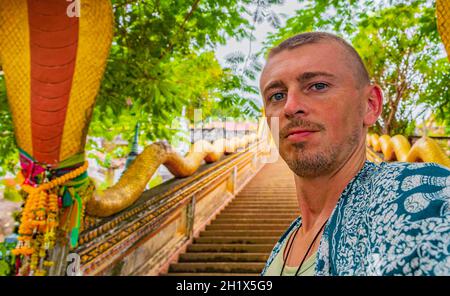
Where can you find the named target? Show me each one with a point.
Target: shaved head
(352, 56)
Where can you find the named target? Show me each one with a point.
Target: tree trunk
(389, 122)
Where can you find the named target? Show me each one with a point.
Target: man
(357, 217)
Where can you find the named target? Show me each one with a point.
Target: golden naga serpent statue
(398, 148)
(133, 181)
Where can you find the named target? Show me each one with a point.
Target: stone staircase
(239, 240)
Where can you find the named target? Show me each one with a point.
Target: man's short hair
(361, 74)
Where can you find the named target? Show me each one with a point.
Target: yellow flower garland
(40, 218)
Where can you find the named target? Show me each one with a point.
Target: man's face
(313, 91)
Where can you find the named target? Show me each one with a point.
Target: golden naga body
(398, 148)
(53, 65)
(133, 181)
(443, 22)
(425, 149)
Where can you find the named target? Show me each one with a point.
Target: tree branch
(194, 7)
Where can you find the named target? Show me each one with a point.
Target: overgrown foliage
(8, 152)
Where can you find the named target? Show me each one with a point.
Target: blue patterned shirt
(391, 219)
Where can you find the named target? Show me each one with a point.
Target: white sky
(284, 11)
(260, 32)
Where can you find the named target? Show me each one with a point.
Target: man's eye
(319, 86)
(277, 97)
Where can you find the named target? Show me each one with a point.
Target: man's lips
(299, 134)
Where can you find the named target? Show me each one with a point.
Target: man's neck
(317, 197)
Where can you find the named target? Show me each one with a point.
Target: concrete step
(274, 192)
(244, 220)
(266, 190)
(283, 215)
(261, 208)
(223, 257)
(186, 274)
(264, 203)
(240, 239)
(240, 233)
(236, 240)
(228, 248)
(247, 227)
(272, 196)
(218, 267)
(257, 208)
(255, 212)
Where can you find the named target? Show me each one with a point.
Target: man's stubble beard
(320, 163)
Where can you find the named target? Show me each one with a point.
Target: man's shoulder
(413, 168)
(411, 174)
(418, 189)
(410, 214)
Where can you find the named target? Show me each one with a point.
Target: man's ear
(374, 105)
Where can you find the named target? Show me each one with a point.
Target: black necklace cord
(310, 246)
(289, 248)
(307, 252)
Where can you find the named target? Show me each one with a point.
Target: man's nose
(295, 104)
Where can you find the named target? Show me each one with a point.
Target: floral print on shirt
(391, 219)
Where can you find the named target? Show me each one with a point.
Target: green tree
(8, 152)
(162, 60)
(401, 47)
